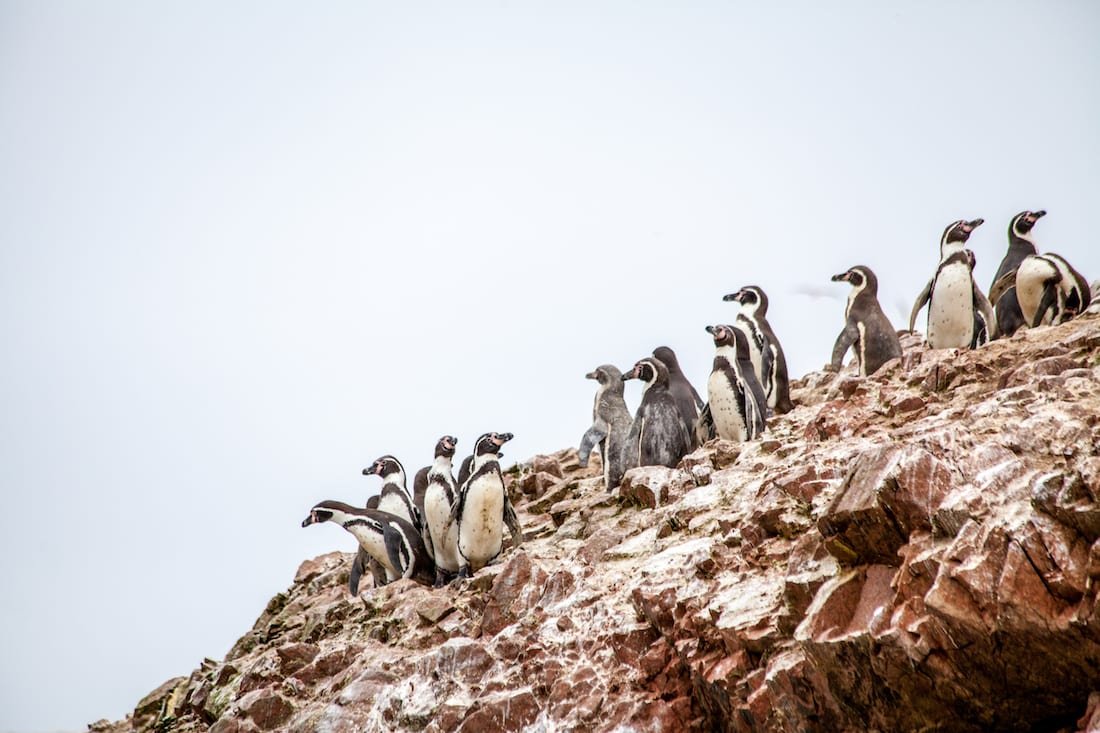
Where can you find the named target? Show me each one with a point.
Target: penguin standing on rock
(1048, 290)
(483, 508)
(687, 399)
(658, 436)
(390, 541)
(866, 327)
(440, 536)
(776, 383)
(736, 399)
(959, 315)
(610, 426)
(1021, 243)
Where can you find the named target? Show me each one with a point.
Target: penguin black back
(687, 399)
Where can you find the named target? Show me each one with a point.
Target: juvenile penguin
(440, 536)
(610, 426)
(394, 497)
(1021, 243)
(1048, 290)
(866, 327)
(959, 314)
(658, 436)
(389, 540)
(483, 508)
(776, 383)
(736, 398)
(687, 399)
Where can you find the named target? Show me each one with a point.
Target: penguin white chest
(437, 510)
(725, 407)
(1031, 277)
(951, 309)
(371, 540)
(392, 503)
(481, 528)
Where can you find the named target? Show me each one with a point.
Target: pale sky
(249, 247)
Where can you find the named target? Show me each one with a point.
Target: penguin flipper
(591, 438)
(922, 300)
(704, 425)
(1049, 302)
(397, 553)
(512, 522)
(844, 342)
(1001, 286)
(359, 566)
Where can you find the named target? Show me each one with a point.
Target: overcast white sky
(246, 248)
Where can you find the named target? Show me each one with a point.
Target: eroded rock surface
(918, 550)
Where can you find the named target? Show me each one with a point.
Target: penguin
(441, 537)
(1021, 243)
(610, 426)
(687, 399)
(387, 539)
(776, 383)
(394, 497)
(658, 436)
(1048, 290)
(866, 327)
(738, 405)
(483, 508)
(959, 315)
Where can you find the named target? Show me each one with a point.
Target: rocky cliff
(919, 550)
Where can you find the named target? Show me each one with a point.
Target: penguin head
(322, 512)
(959, 231)
(385, 467)
(605, 374)
(1023, 222)
(651, 371)
(860, 278)
(751, 298)
(667, 357)
(723, 335)
(446, 446)
(491, 443)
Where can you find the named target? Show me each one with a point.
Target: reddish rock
(328, 664)
(266, 708)
(514, 591)
(653, 486)
(547, 464)
(502, 713)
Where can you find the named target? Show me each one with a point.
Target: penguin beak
(591, 375)
(731, 296)
(1038, 214)
(311, 519)
(630, 375)
(500, 439)
(972, 225)
(842, 277)
(712, 329)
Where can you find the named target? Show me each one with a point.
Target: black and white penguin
(1048, 290)
(658, 436)
(776, 383)
(610, 426)
(482, 508)
(440, 535)
(959, 315)
(866, 327)
(387, 539)
(738, 405)
(364, 563)
(1021, 243)
(687, 399)
(394, 497)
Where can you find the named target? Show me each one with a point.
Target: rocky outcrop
(919, 550)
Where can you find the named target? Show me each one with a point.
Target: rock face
(918, 550)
